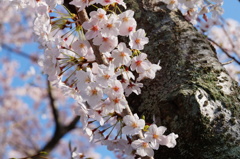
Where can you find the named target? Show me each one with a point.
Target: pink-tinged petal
(143, 56)
(141, 32)
(149, 151)
(141, 123)
(141, 152)
(128, 119)
(172, 140)
(161, 129)
(126, 129)
(136, 116)
(136, 144)
(153, 128)
(155, 145)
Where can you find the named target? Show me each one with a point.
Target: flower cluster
(194, 8)
(99, 62)
(227, 39)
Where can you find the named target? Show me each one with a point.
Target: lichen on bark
(192, 95)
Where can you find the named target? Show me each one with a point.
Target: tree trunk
(192, 95)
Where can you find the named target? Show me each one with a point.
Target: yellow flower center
(134, 125)
(115, 88)
(144, 144)
(122, 54)
(81, 45)
(125, 19)
(138, 63)
(109, 26)
(116, 100)
(155, 136)
(94, 91)
(101, 16)
(137, 41)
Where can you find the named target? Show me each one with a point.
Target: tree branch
(225, 51)
(52, 105)
(59, 134)
(20, 53)
(83, 17)
(60, 129)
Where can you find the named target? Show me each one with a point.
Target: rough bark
(192, 95)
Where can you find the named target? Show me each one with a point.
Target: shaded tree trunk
(192, 95)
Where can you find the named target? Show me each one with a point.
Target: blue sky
(231, 9)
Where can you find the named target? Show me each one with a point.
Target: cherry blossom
(121, 55)
(142, 147)
(73, 51)
(92, 27)
(106, 43)
(139, 63)
(138, 39)
(133, 124)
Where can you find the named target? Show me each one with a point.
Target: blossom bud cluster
(89, 62)
(192, 9)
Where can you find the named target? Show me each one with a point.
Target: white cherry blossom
(100, 15)
(171, 4)
(155, 135)
(128, 23)
(82, 4)
(133, 87)
(139, 63)
(101, 89)
(133, 124)
(138, 39)
(115, 88)
(93, 28)
(105, 75)
(142, 147)
(84, 78)
(111, 26)
(82, 47)
(150, 72)
(121, 55)
(106, 43)
(171, 140)
(93, 94)
(118, 103)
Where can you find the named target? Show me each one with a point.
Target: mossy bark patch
(192, 95)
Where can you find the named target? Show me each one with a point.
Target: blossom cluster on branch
(99, 61)
(192, 9)
(85, 58)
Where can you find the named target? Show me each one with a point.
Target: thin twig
(229, 38)
(20, 53)
(225, 51)
(228, 62)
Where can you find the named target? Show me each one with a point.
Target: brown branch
(58, 134)
(52, 105)
(83, 17)
(60, 129)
